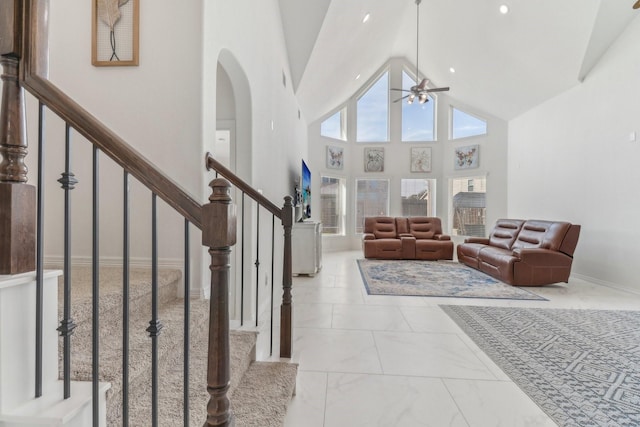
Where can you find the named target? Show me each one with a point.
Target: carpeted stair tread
(243, 353)
(259, 397)
(253, 386)
(264, 393)
(170, 316)
(170, 395)
(110, 290)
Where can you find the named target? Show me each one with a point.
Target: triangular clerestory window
(464, 124)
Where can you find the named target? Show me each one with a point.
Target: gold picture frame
(115, 32)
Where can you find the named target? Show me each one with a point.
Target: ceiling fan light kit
(419, 91)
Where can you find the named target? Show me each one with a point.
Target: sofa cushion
(383, 248)
(430, 249)
(422, 227)
(382, 227)
(542, 234)
(505, 232)
(402, 227)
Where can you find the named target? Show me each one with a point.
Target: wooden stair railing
(24, 59)
(285, 214)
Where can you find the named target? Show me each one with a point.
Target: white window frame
(341, 205)
(476, 116)
(363, 91)
(355, 201)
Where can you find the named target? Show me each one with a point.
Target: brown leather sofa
(405, 238)
(523, 253)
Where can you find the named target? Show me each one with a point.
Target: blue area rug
(435, 279)
(582, 367)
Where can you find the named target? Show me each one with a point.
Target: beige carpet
(260, 392)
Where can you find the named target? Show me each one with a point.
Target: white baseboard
(616, 286)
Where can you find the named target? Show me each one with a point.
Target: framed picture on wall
(374, 159)
(114, 35)
(466, 157)
(421, 159)
(335, 157)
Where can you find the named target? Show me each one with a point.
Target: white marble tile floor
(400, 361)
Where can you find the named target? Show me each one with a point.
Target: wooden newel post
(17, 200)
(219, 234)
(286, 310)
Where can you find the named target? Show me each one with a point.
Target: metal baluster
(187, 319)
(242, 267)
(154, 325)
(68, 182)
(273, 249)
(257, 263)
(39, 251)
(125, 300)
(96, 294)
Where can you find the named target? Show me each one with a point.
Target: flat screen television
(306, 191)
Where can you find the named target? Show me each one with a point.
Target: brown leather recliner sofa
(405, 238)
(523, 252)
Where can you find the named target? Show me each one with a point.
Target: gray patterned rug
(582, 367)
(435, 279)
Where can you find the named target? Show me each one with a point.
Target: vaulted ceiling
(505, 64)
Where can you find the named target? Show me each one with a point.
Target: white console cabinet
(306, 247)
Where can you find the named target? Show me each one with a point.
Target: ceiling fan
(637, 5)
(420, 90)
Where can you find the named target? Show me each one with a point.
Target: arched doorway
(232, 147)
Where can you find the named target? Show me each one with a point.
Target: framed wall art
(421, 159)
(466, 157)
(335, 157)
(115, 37)
(374, 159)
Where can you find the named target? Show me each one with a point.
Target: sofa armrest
(542, 257)
(482, 240)
(408, 246)
(441, 237)
(401, 235)
(368, 236)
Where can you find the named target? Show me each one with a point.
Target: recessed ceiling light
(366, 17)
(452, 70)
(358, 76)
(504, 9)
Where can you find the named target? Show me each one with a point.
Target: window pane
(469, 210)
(417, 119)
(418, 197)
(332, 198)
(464, 125)
(333, 127)
(372, 199)
(373, 112)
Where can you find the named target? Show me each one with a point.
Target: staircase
(152, 387)
(259, 391)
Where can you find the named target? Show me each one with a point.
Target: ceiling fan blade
(400, 99)
(405, 90)
(423, 84)
(637, 5)
(442, 89)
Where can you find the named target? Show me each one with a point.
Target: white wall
(166, 108)
(570, 159)
(252, 32)
(397, 154)
(155, 107)
(249, 35)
